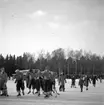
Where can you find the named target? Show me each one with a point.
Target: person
(30, 81)
(53, 76)
(81, 83)
(73, 82)
(3, 82)
(19, 82)
(41, 78)
(47, 83)
(100, 78)
(52, 79)
(87, 81)
(94, 79)
(38, 85)
(62, 81)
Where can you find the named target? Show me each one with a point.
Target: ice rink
(71, 96)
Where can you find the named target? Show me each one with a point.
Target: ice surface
(71, 96)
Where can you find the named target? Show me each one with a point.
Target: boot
(81, 90)
(36, 92)
(87, 88)
(46, 96)
(23, 93)
(29, 92)
(19, 94)
(39, 94)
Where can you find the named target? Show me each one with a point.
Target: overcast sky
(32, 25)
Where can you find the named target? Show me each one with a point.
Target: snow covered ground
(71, 96)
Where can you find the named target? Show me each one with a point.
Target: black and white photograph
(51, 52)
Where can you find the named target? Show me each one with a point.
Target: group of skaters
(37, 80)
(85, 80)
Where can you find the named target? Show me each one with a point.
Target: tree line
(59, 60)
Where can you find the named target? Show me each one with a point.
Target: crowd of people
(85, 80)
(45, 80)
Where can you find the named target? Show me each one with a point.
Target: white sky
(32, 25)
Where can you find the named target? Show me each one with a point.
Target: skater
(47, 83)
(94, 79)
(87, 81)
(100, 78)
(53, 83)
(62, 81)
(73, 82)
(37, 76)
(42, 82)
(19, 82)
(81, 83)
(30, 81)
(3, 82)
